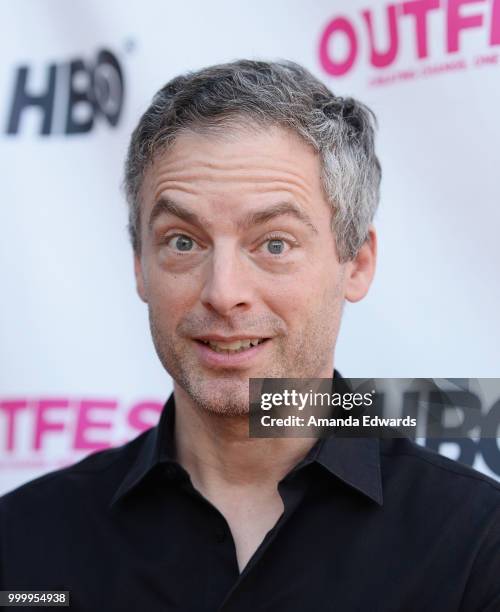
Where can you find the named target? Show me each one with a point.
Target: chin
(223, 397)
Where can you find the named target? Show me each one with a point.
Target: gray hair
(284, 94)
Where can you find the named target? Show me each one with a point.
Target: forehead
(243, 166)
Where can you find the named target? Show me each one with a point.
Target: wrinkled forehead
(244, 158)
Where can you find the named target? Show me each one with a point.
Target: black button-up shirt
(368, 525)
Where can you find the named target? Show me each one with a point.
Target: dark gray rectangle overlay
(16, 599)
(443, 408)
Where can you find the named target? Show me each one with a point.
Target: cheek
(170, 294)
(293, 299)
(311, 303)
(312, 285)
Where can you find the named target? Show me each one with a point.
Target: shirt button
(220, 534)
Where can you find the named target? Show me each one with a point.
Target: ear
(361, 270)
(139, 278)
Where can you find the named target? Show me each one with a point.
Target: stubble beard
(226, 392)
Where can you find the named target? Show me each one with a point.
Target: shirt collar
(157, 447)
(355, 461)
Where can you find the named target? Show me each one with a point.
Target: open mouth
(233, 347)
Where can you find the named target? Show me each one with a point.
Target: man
(252, 190)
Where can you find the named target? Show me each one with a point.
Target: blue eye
(275, 246)
(183, 243)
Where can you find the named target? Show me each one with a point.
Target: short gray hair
(283, 93)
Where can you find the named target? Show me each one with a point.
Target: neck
(216, 450)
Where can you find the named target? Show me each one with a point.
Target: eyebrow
(165, 206)
(169, 207)
(282, 208)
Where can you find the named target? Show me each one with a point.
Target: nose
(227, 287)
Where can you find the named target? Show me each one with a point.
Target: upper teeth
(234, 345)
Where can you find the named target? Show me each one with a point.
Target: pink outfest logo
(345, 42)
(67, 427)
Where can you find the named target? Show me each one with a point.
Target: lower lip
(212, 358)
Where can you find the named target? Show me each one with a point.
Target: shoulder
(438, 483)
(425, 460)
(459, 506)
(93, 478)
(43, 522)
(418, 461)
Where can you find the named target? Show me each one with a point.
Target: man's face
(237, 245)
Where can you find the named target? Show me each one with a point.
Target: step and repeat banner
(78, 372)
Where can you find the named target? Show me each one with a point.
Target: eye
(276, 246)
(181, 242)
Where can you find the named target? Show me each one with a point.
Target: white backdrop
(78, 370)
